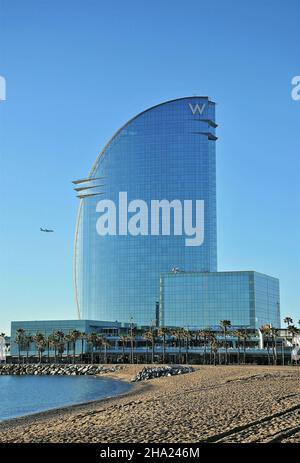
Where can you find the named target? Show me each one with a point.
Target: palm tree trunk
(164, 348)
(268, 351)
(179, 350)
(131, 350)
(153, 345)
(186, 351)
(225, 341)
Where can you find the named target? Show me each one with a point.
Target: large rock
(156, 372)
(56, 369)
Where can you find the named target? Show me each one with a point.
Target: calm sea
(24, 395)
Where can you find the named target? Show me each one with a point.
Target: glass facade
(200, 300)
(266, 300)
(166, 152)
(48, 327)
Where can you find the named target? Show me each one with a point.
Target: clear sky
(77, 70)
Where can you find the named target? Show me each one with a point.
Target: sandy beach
(212, 404)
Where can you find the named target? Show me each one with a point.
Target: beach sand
(213, 404)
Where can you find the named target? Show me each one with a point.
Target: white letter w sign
(197, 108)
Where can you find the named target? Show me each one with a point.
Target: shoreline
(53, 412)
(212, 404)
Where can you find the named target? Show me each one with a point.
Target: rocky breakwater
(57, 369)
(156, 372)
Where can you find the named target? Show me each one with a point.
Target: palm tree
(205, 335)
(99, 345)
(288, 321)
(266, 332)
(244, 336)
(74, 336)
(123, 339)
(68, 341)
(150, 337)
(92, 339)
(82, 338)
(212, 343)
(61, 348)
(28, 339)
(238, 334)
(186, 335)
(224, 325)
(58, 343)
(19, 340)
(48, 348)
(283, 341)
(214, 347)
(52, 344)
(41, 343)
(106, 344)
(131, 338)
(178, 334)
(163, 333)
(146, 337)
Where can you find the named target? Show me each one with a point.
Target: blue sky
(77, 70)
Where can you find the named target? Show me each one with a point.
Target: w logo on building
(2, 89)
(197, 108)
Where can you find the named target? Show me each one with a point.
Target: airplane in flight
(46, 230)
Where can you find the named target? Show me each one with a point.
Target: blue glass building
(200, 300)
(48, 327)
(165, 153)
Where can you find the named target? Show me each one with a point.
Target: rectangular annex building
(200, 300)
